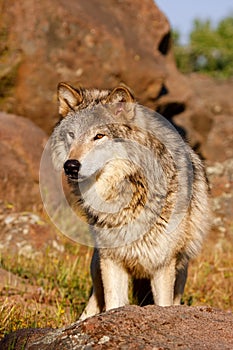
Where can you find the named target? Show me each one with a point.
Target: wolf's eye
(71, 134)
(98, 136)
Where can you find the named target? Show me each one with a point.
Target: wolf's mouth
(73, 172)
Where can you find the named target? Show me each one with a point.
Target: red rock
(97, 43)
(21, 147)
(208, 118)
(219, 142)
(134, 327)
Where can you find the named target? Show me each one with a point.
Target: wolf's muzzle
(71, 168)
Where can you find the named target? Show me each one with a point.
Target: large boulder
(103, 43)
(96, 43)
(132, 327)
(21, 147)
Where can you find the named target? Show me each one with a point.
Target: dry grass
(64, 285)
(211, 274)
(61, 286)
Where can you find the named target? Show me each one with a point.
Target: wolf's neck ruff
(133, 187)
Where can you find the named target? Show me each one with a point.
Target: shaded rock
(21, 147)
(213, 94)
(134, 327)
(208, 118)
(219, 142)
(97, 43)
(19, 338)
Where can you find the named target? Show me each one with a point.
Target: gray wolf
(141, 188)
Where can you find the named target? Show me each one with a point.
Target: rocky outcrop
(208, 118)
(21, 147)
(95, 43)
(101, 44)
(134, 327)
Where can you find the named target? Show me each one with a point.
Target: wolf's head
(86, 124)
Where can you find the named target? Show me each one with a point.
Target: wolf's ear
(121, 94)
(121, 102)
(68, 98)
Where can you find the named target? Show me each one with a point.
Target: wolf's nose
(72, 167)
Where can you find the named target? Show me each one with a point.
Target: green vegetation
(210, 49)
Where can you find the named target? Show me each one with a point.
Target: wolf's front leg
(95, 304)
(181, 277)
(162, 285)
(115, 284)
